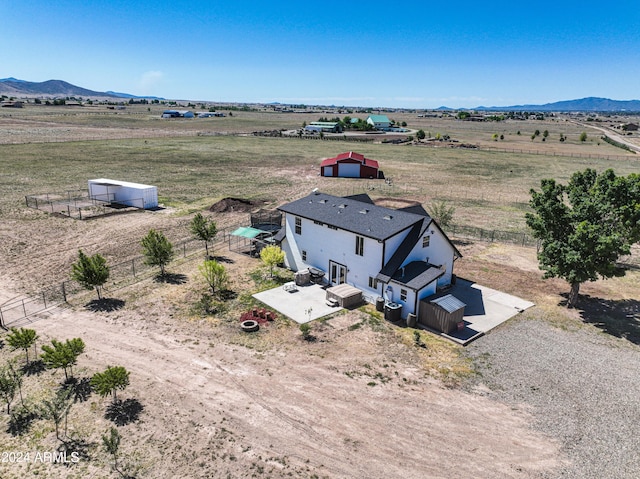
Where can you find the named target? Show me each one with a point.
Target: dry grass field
(361, 400)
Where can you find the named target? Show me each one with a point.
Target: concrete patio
(302, 303)
(485, 308)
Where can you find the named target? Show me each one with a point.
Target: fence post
(1, 319)
(44, 299)
(24, 308)
(184, 250)
(133, 267)
(64, 292)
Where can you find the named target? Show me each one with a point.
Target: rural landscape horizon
(18, 88)
(338, 241)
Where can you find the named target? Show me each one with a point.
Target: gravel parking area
(582, 387)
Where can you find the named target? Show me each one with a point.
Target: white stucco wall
(439, 251)
(323, 245)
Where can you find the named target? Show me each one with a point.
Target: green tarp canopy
(247, 232)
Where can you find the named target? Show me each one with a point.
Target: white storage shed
(124, 193)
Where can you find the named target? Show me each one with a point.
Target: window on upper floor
(403, 295)
(359, 245)
(425, 241)
(298, 225)
(304, 255)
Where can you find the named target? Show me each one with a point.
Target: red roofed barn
(349, 165)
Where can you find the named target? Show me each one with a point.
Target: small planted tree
(305, 329)
(90, 271)
(111, 444)
(8, 387)
(57, 409)
(22, 338)
(583, 136)
(203, 229)
(157, 250)
(109, 381)
(420, 134)
(442, 212)
(63, 355)
(272, 256)
(214, 274)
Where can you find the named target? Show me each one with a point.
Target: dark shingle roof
(417, 274)
(359, 217)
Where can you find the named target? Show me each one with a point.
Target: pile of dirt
(235, 204)
(395, 203)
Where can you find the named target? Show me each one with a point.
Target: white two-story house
(401, 255)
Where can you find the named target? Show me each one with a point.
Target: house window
(373, 282)
(359, 245)
(298, 225)
(403, 295)
(425, 240)
(331, 227)
(304, 255)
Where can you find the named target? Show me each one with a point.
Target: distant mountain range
(590, 104)
(56, 88)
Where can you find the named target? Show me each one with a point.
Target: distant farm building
(350, 165)
(124, 193)
(379, 122)
(177, 114)
(323, 127)
(11, 104)
(210, 114)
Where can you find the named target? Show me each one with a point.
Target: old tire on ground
(249, 326)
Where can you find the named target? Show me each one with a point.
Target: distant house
(629, 127)
(210, 114)
(324, 127)
(177, 114)
(400, 255)
(349, 165)
(379, 122)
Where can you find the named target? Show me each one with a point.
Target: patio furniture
(290, 287)
(316, 275)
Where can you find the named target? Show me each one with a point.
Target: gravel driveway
(582, 386)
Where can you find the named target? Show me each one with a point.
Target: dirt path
(303, 409)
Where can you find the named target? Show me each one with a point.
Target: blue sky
(411, 54)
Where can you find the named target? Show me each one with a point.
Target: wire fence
(120, 275)
(136, 269)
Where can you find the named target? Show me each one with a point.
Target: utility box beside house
(442, 314)
(124, 193)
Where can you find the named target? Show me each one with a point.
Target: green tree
(272, 256)
(305, 329)
(420, 134)
(17, 374)
(442, 212)
(585, 226)
(214, 274)
(109, 381)
(157, 250)
(111, 444)
(8, 387)
(22, 338)
(545, 133)
(495, 137)
(57, 408)
(203, 229)
(63, 355)
(90, 271)
(583, 136)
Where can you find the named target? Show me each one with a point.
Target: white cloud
(149, 81)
